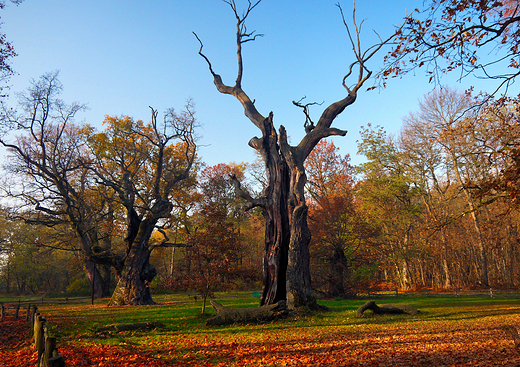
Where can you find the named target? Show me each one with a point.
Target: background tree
(143, 165)
(90, 187)
(341, 251)
(26, 266)
(445, 112)
(7, 51)
(287, 236)
(391, 199)
(214, 253)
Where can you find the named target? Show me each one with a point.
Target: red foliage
(15, 346)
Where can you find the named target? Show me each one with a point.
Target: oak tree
(98, 183)
(143, 165)
(472, 37)
(287, 235)
(47, 180)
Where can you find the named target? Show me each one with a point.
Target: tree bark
(133, 286)
(100, 281)
(277, 235)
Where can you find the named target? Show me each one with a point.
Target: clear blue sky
(121, 56)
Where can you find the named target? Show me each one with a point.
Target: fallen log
(228, 316)
(131, 327)
(387, 309)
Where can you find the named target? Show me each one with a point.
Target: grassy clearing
(450, 331)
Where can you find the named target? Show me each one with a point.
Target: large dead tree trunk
(276, 216)
(287, 236)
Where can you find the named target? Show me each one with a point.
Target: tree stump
(228, 316)
(387, 309)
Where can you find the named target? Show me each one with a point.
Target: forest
(131, 210)
(433, 208)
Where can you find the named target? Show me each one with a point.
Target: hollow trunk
(287, 236)
(277, 229)
(133, 285)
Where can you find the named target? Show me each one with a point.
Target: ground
(468, 333)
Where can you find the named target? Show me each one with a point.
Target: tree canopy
(472, 37)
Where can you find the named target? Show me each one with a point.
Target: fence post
(51, 357)
(34, 312)
(39, 336)
(28, 315)
(3, 312)
(491, 292)
(17, 312)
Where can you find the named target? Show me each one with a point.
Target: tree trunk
(299, 289)
(277, 235)
(287, 236)
(99, 279)
(133, 286)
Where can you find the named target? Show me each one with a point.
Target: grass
(449, 331)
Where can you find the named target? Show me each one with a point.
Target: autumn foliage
(461, 332)
(474, 37)
(342, 242)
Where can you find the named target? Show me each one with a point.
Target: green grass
(445, 318)
(180, 313)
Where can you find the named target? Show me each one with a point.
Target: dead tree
(287, 236)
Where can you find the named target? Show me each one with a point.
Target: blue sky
(121, 56)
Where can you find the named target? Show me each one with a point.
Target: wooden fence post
(28, 315)
(34, 312)
(17, 312)
(39, 336)
(51, 357)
